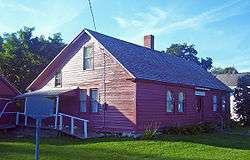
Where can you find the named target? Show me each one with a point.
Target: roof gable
(141, 63)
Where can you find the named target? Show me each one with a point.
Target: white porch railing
(72, 126)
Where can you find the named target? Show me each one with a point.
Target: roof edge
(102, 46)
(54, 59)
(11, 86)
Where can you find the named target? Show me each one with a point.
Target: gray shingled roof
(148, 64)
(235, 79)
(49, 93)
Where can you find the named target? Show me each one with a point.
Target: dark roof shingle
(148, 64)
(235, 79)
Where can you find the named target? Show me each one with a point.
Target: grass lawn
(206, 146)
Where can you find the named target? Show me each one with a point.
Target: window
(83, 101)
(58, 79)
(170, 102)
(215, 103)
(223, 103)
(181, 102)
(88, 58)
(94, 100)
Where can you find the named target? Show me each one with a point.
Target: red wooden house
(7, 107)
(121, 86)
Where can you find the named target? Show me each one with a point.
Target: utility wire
(91, 11)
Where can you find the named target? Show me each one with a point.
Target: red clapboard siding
(151, 105)
(120, 92)
(7, 91)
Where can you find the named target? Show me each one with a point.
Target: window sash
(83, 106)
(215, 103)
(88, 63)
(83, 101)
(58, 79)
(88, 58)
(181, 102)
(223, 103)
(170, 102)
(94, 100)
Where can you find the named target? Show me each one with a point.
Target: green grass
(206, 147)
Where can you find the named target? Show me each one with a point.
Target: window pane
(83, 100)
(88, 58)
(94, 100)
(83, 106)
(215, 103)
(58, 79)
(88, 52)
(88, 63)
(170, 104)
(223, 103)
(181, 100)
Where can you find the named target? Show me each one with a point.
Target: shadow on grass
(215, 139)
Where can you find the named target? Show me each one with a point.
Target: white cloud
(158, 21)
(20, 7)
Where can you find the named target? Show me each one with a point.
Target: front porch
(62, 121)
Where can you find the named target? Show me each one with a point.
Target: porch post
(85, 129)
(17, 118)
(61, 122)
(25, 116)
(56, 115)
(72, 126)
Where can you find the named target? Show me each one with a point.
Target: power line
(91, 11)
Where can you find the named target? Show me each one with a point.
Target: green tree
(230, 70)
(242, 99)
(227, 70)
(23, 56)
(189, 53)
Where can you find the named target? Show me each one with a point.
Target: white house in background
(232, 81)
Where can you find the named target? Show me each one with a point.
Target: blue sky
(219, 28)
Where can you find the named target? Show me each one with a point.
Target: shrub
(151, 130)
(191, 129)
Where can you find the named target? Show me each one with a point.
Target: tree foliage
(227, 70)
(23, 57)
(189, 53)
(242, 99)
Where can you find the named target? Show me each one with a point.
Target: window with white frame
(83, 101)
(215, 103)
(94, 100)
(170, 101)
(88, 57)
(181, 102)
(58, 79)
(223, 103)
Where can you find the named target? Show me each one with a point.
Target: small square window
(58, 79)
